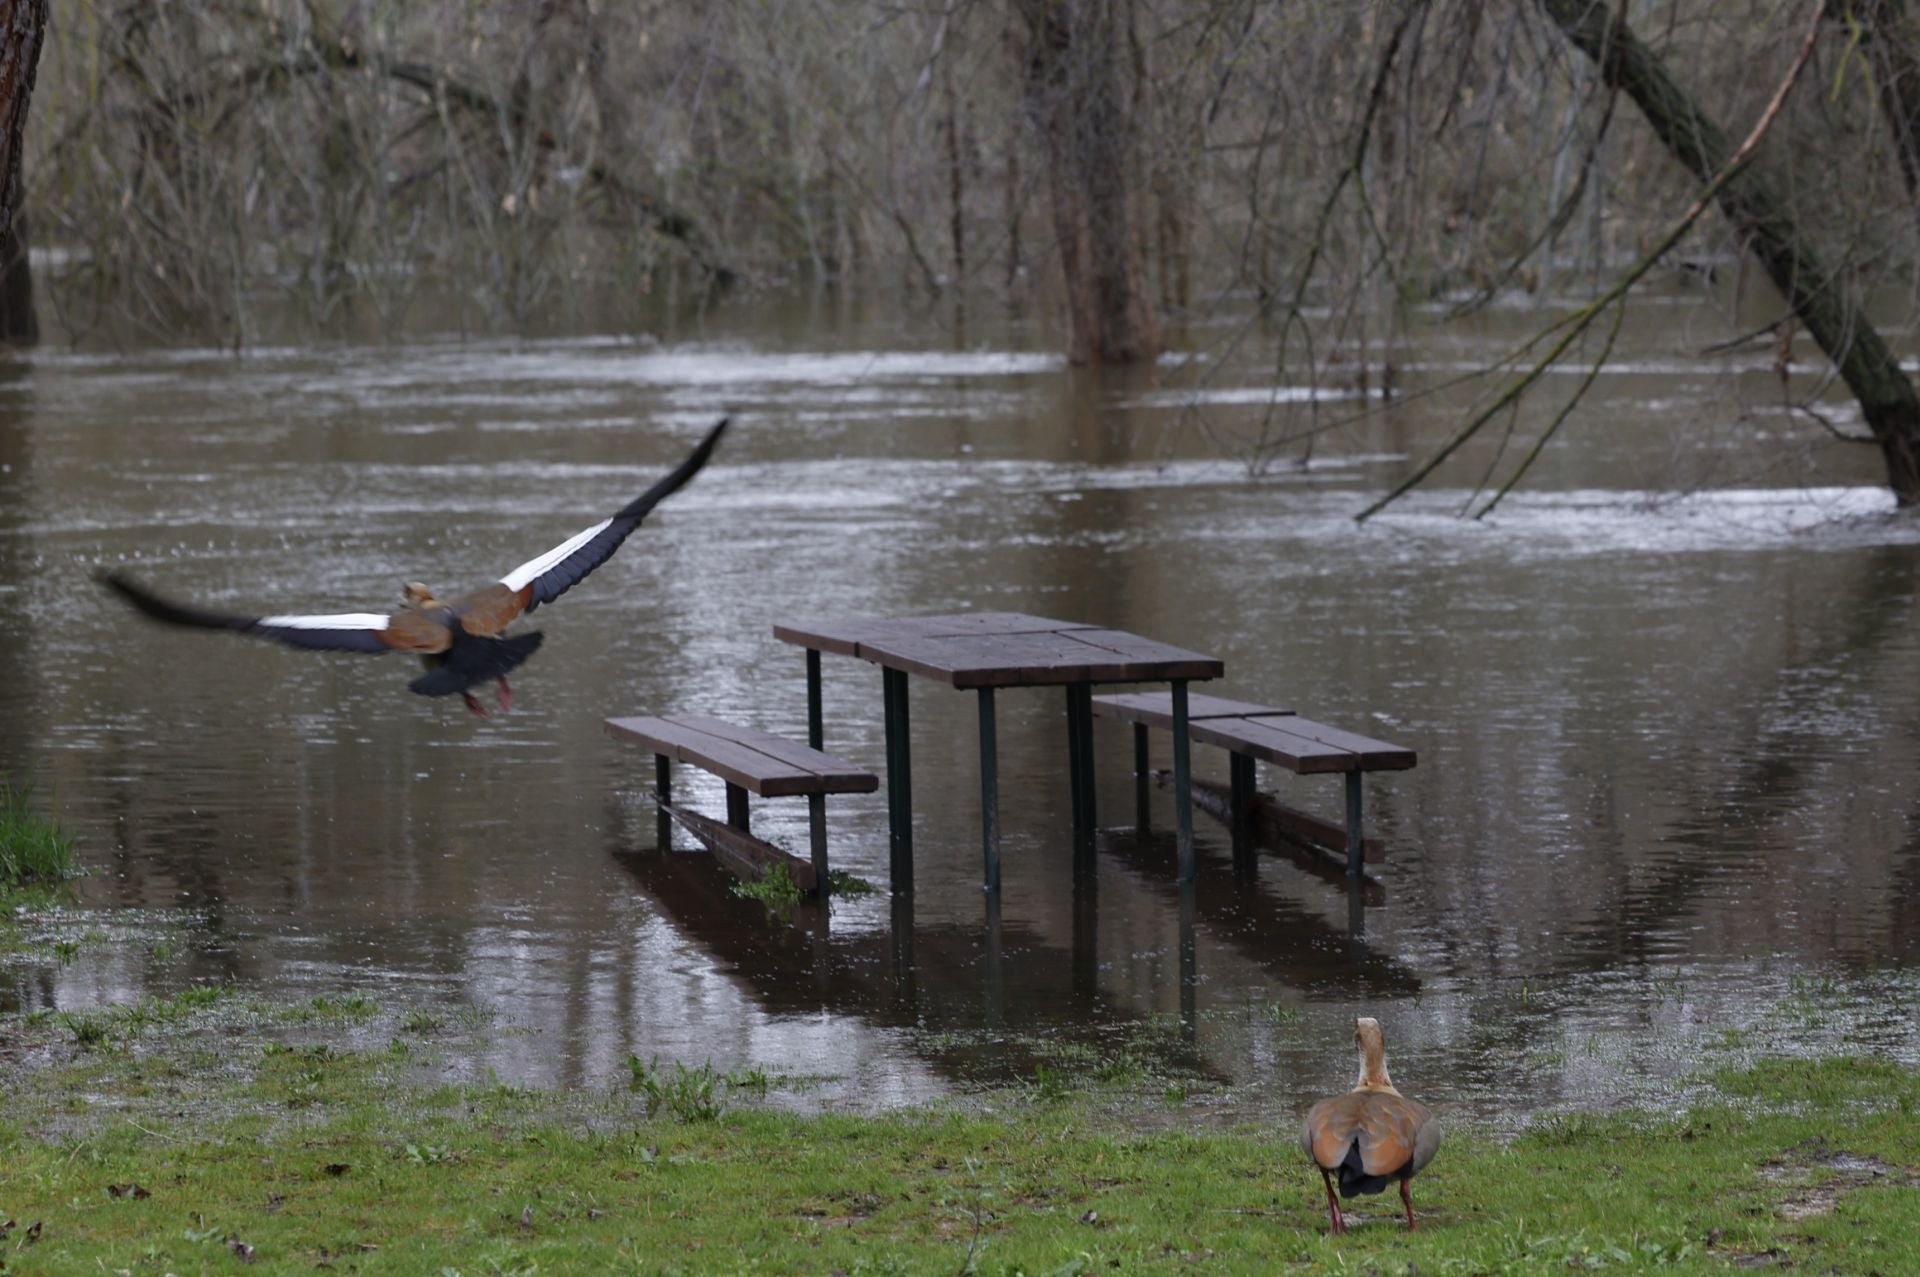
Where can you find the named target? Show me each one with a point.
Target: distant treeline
(192, 161)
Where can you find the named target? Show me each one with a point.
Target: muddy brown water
(1667, 806)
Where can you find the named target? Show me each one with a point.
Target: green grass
(210, 1151)
(33, 850)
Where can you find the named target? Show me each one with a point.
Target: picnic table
(984, 651)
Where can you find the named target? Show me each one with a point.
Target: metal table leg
(1183, 779)
(816, 733)
(1143, 810)
(989, 794)
(1084, 705)
(817, 840)
(1355, 852)
(899, 779)
(663, 794)
(1080, 755)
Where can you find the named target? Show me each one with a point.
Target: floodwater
(1664, 702)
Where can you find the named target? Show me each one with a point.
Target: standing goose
(460, 640)
(1370, 1135)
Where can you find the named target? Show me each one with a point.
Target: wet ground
(1663, 699)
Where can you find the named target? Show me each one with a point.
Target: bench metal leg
(1355, 852)
(1241, 769)
(1143, 810)
(899, 779)
(663, 792)
(989, 794)
(1183, 779)
(817, 840)
(816, 732)
(737, 807)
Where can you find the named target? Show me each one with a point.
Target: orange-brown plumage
(1372, 1135)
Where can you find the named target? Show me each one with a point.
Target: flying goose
(459, 641)
(1370, 1135)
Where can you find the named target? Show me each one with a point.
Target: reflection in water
(16, 416)
(1666, 746)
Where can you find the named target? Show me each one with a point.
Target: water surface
(1663, 701)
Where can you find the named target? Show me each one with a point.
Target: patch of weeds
(422, 1022)
(32, 848)
(90, 1032)
(475, 1016)
(687, 1095)
(430, 1154)
(353, 1008)
(842, 883)
(1049, 1085)
(775, 889)
(750, 1079)
(96, 1029)
(1281, 1013)
(66, 951)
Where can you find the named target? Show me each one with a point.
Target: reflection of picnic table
(984, 651)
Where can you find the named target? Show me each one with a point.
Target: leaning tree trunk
(23, 27)
(1835, 320)
(1075, 91)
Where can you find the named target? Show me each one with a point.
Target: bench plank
(749, 857)
(720, 747)
(1155, 709)
(837, 775)
(1275, 735)
(1265, 740)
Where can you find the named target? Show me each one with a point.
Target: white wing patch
(344, 621)
(518, 578)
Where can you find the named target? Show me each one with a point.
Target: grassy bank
(33, 850)
(202, 1135)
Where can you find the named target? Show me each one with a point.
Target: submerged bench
(749, 761)
(1276, 735)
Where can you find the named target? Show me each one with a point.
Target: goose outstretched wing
(546, 578)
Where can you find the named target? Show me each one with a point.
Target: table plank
(1037, 659)
(844, 636)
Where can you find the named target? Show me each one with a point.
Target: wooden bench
(1278, 736)
(749, 761)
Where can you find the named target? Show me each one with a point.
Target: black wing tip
(677, 478)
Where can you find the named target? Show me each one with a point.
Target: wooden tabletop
(1001, 649)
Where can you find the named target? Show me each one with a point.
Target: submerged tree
(1819, 297)
(1077, 90)
(23, 28)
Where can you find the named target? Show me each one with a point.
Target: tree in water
(1835, 318)
(1076, 85)
(23, 28)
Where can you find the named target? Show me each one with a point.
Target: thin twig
(1583, 318)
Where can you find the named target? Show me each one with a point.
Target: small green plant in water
(32, 849)
(688, 1095)
(775, 889)
(842, 883)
